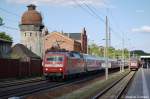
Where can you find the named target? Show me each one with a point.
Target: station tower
(31, 27)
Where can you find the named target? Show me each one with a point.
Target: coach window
(76, 55)
(71, 55)
(81, 55)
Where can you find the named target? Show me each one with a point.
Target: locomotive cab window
(76, 55)
(54, 59)
(71, 55)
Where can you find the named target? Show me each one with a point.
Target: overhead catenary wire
(118, 27)
(86, 10)
(9, 19)
(116, 23)
(123, 36)
(99, 17)
(9, 27)
(9, 12)
(111, 29)
(92, 11)
(89, 10)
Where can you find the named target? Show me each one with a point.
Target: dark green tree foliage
(1, 21)
(4, 36)
(139, 52)
(112, 52)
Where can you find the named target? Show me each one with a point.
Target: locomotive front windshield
(55, 58)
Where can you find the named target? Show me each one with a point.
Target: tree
(4, 36)
(139, 53)
(112, 52)
(95, 50)
(1, 21)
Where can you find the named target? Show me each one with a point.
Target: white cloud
(59, 2)
(143, 29)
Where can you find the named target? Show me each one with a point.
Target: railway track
(19, 82)
(25, 89)
(116, 89)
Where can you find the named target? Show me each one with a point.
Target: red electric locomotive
(62, 64)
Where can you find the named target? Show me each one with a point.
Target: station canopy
(144, 57)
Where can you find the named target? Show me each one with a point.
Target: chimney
(31, 7)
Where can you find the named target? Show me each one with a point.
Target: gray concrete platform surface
(140, 86)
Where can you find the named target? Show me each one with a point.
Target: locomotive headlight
(46, 69)
(60, 69)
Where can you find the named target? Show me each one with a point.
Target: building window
(30, 34)
(30, 48)
(24, 34)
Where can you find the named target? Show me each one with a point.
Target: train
(65, 64)
(134, 64)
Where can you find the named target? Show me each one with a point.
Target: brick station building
(68, 41)
(35, 37)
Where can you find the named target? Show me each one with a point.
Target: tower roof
(31, 16)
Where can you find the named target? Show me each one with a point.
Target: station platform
(140, 86)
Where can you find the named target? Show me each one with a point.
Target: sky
(128, 19)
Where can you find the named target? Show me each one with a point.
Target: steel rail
(103, 92)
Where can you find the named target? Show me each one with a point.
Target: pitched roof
(19, 51)
(60, 34)
(75, 36)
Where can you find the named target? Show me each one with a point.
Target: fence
(15, 68)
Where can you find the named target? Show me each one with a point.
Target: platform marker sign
(104, 65)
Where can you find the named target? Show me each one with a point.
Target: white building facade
(31, 30)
